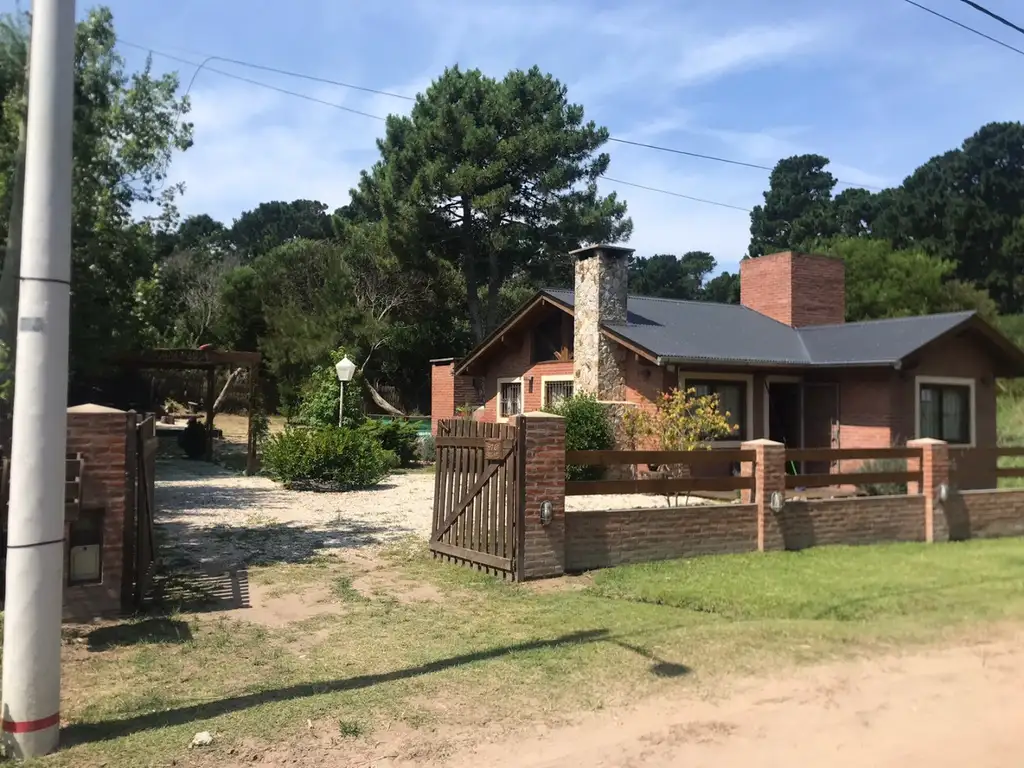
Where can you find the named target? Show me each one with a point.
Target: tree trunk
(469, 272)
(10, 276)
(224, 392)
(379, 400)
(493, 290)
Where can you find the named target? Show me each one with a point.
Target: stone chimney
(602, 281)
(798, 289)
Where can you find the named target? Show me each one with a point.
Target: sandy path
(212, 515)
(963, 706)
(958, 707)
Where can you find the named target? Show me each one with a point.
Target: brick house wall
(448, 391)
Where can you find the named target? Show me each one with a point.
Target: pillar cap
(541, 415)
(762, 442)
(93, 408)
(925, 441)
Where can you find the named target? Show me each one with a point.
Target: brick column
(769, 475)
(542, 458)
(934, 472)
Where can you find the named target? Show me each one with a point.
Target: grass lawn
(419, 656)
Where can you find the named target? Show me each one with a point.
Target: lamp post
(345, 369)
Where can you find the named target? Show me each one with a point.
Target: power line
(993, 14)
(972, 30)
(677, 194)
(378, 117)
(275, 70)
(722, 160)
(233, 76)
(328, 81)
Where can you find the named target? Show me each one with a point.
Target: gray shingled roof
(698, 331)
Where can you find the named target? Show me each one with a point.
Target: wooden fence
(716, 459)
(834, 457)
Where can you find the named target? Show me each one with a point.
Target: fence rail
(842, 454)
(989, 453)
(690, 458)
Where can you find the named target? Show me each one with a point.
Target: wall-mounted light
(547, 512)
(942, 493)
(529, 383)
(776, 502)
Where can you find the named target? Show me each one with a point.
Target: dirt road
(958, 707)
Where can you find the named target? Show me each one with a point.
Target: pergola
(208, 360)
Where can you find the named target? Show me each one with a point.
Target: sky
(877, 86)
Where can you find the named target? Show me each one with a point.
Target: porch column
(934, 473)
(769, 471)
(541, 544)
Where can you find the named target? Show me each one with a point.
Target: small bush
(192, 439)
(399, 437)
(883, 489)
(427, 448)
(588, 427)
(335, 456)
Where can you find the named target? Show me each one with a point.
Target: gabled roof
(674, 331)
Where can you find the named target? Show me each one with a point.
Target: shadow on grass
(214, 588)
(154, 630)
(659, 667)
(82, 733)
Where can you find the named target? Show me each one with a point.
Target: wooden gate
(145, 543)
(477, 496)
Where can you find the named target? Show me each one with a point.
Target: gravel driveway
(206, 514)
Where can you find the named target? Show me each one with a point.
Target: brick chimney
(602, 281)
(798, 289)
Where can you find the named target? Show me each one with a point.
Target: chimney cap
(592, 250)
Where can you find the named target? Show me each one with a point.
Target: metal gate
(145, 543)
(477, 496)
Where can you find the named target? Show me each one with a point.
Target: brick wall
(986, 514)
(617, 537)
(867, 520)
(795, 288)
(101, 436)
(448, 392)
(543, 545)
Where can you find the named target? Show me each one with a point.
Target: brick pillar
(934, 472)
(542, 445)
(769, 472)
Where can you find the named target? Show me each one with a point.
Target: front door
(821, 422)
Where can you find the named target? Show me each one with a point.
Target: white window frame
(498, 417)
(951, 381)
(684, 376)
(544, 386)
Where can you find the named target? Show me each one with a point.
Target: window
(555, 390)
(945, 412)
(732, 399)
(510, 397)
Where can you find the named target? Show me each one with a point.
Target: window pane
(510, 402)
(730, 401)
(556, 391)
(955, 415)
(931, 425)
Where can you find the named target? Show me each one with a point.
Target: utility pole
(35, 532)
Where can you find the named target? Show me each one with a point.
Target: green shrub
(883, 489)
(397, 436)
(192, 439)
(337, 457)
(427, 448)
(588, 427)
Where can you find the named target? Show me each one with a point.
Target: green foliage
(666, 276)
(271, 225)
(588, 427)
(797, 206)
(335, 457)
(497, 177)
(192, 439)
(882, 282)
(319, 396)
(883, 489)
(399, 437)
(427, 449)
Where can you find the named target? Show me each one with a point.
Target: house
(783, 362)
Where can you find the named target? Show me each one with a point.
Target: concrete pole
(35, 534)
